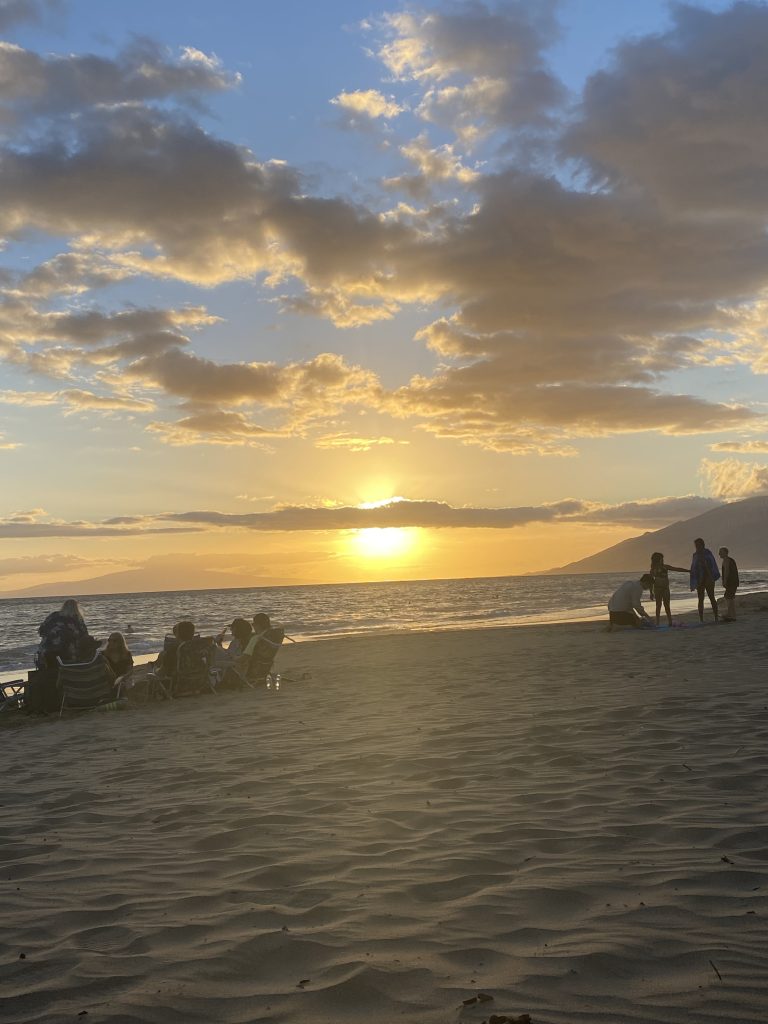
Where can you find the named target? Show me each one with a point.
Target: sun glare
(383, 542)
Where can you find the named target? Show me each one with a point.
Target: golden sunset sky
(313, 293)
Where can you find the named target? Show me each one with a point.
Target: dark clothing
(65, 637)
(623, 619)
(120, 665)
(730, 577)
(704, 570)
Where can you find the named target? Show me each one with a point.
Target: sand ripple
(545, 821)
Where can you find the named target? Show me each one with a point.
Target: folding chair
(162, 680)
(88, 686)
(12, 694)
(194, 667)
(259, 669)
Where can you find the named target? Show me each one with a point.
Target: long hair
(116, 646)
(657, 560)
(241, 630)
(71, 609)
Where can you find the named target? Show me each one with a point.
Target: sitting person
(264, 643)
(117, 655)
(261, 623)
(625, 606)
(64, 635)
(165, 663)
(223, 657)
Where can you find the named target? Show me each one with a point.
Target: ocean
(332, 610)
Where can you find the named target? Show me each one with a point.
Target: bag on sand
(41, 695)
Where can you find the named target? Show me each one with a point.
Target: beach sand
(570, 821)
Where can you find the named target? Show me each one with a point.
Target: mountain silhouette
(740, 526)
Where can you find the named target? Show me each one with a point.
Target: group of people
(625, 606)
(64, 636)
(236, 655)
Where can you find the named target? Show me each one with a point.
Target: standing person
(64, 635)
(704, 572)
(660, 588)
(730, 583)
(625, 605)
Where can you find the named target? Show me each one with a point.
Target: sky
(316, 293)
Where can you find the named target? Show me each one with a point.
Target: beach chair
(259, 670)
(88, 686)
(160, 682)
(12, 694)
(194, 667)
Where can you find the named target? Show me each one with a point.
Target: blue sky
(470, 255)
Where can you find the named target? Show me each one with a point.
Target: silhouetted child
(660, 588)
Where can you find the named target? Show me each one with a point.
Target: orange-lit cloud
(731, 479)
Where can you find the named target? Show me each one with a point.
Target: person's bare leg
(712, 601)
(658, 608)
(667, 610)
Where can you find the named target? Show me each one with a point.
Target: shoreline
(745, 602)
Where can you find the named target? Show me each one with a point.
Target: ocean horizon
(327, 610)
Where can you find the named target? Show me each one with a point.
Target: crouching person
(625, 606)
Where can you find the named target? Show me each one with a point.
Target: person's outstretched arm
(675, 568)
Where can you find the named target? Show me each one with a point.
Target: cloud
(35, 86)
(400, 513)
(65, 274)
(214, 426)
(14, 11)
(743, 446)
(440, 515)
(36, 522)
(42, 564)
(652, 513)
(347, 442)
(495, 52)
(731, 479)
(682, 114)
(189, 376)
(434, 166)
(520, 419)
(561, 309)
(366, 105)
(76, 400)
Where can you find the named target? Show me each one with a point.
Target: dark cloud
(33, 85)
(26, 531)
(682, 114)
(440, 515)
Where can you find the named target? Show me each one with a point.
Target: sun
(383, 542)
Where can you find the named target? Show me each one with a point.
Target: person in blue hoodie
(704, 573)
